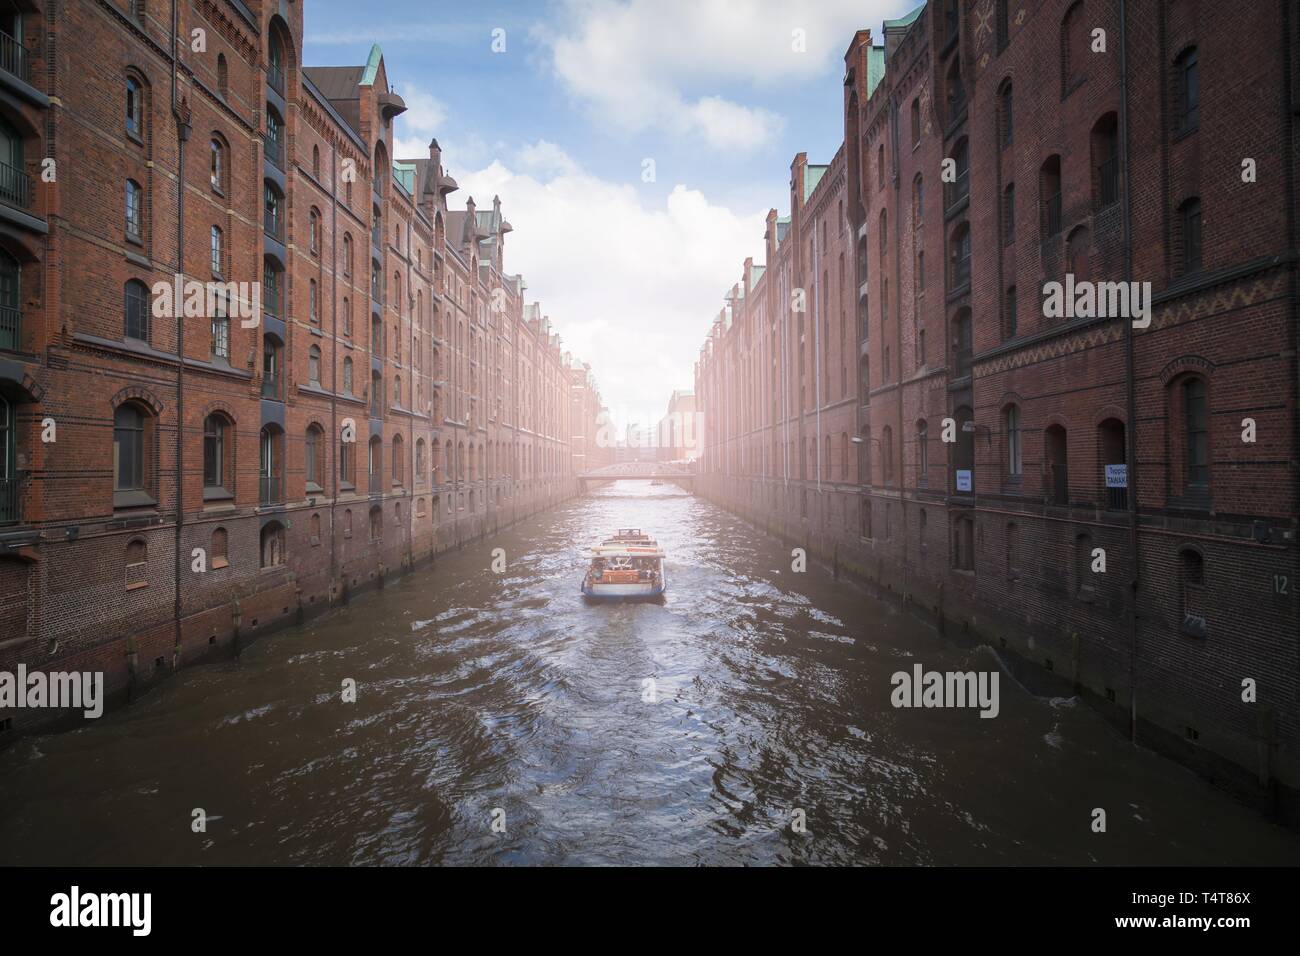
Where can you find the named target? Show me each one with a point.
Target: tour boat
(627, 566)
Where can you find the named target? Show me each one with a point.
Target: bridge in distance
(640, 471)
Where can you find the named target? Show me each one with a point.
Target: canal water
(487, 697)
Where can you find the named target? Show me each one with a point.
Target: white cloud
(630, 282)
(425, 114)
(657, 64)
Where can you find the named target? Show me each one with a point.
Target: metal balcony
(11, 328)
(9, 510)
(13, 58)
(15, 186)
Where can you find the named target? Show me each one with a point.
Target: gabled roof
(339, 85)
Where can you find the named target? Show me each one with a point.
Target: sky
(636, 146)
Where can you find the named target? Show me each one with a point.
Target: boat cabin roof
(608, 550)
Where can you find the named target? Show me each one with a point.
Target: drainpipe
(182, 135)
(333, 441)
(898, 328)
(1130, 376)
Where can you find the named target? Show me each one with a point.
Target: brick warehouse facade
(1122, 164)
(208, 478)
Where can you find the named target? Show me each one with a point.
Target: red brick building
(1000, 450)
(174, 482)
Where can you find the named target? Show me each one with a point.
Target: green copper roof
(372, 66)
(404, 173)
(907, 20)
(875, 68)
(811, 177)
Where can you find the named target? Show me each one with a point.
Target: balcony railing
(9, 500)
(274, 151)
(275, 78)
(1108, 173)
(960, 273)
(961, 363)
(269, 489)
(13, 58)
(1052, 215)
(11, 327)
(15, 186)
(958, 189)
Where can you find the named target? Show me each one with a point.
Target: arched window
(272, 352)
(1105, 161)
(1187, 87)
(1113, 451)
(955, 91)
(959, 188)
(217, 476)
(220, 328)
(272, 210)
(223, 76)
(15, 187)
(918, 200)
(271, 460)
(1074, 49)
(376, 523)
(129, 458)
(963, 452)
(887, 454)
(376, 393)
(273, 142)
(419, 459)
(313, 365)
(217, 165)
(1194, 401)
(346, 310)
(271, 287)
(272, 544)
(315, 161)
(347, 255)
(134, 211)
(347, 464)
(1057, 475)
(916, 121)
(315, 529)
(313, 225)
(313, 449)
(275, 65)
(1011, 427)
(1077, 253)
(347, 376)
(1049, 195)
(374, 463)
(135, 310)
(880, 169)
(134, 108)
(959, 256)
(1191, 580)
(137, 564)
(399, 464)
(219, 549)
(216, 249)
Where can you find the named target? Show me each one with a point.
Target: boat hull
(622, 592)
